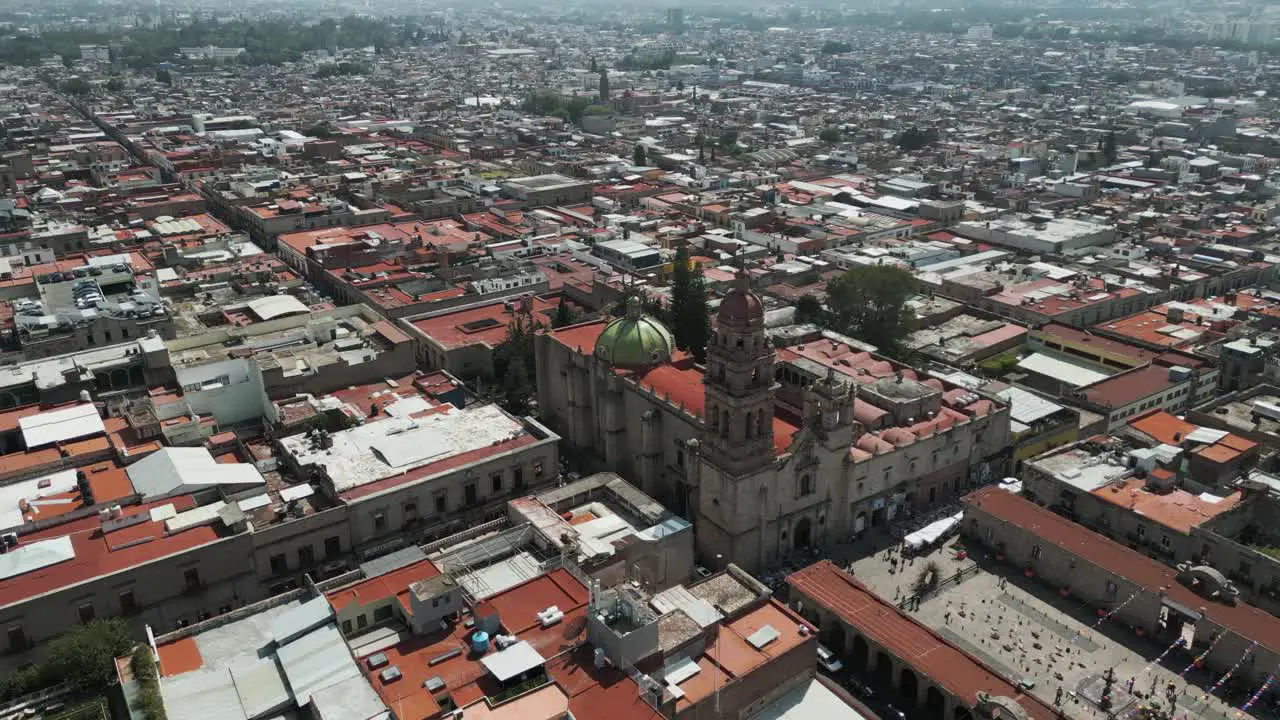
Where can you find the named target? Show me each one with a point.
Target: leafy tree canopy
(870, 303)
(690, 316)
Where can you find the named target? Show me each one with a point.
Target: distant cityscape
(526, 362)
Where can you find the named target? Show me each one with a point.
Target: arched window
(724, 423)
(806, 485)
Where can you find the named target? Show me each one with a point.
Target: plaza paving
(1026, 632)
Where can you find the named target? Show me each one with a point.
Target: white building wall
(230, 390)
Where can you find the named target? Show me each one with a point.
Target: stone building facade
(766, 456)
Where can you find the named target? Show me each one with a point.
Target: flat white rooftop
(1070, 373)
(61, 425)
(810, 700)
(395, 445)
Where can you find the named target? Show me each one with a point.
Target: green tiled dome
(634, 340)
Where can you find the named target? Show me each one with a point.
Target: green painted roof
(634, 341)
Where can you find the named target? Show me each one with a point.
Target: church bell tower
(738, 431)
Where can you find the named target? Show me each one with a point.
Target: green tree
(648, 306)
(543, 102)
(563, 316)
(830, 135)
(163, 76)
(76, 86)
(517, 391)
(809, 309)
(913, 138)
(836, 47)
(115, 83)
(690, 318)
(1109, 147)
(513, 361)
(576, 108)
(639, 156)
(870, 303)
(86, 656)
(23, 682)
(149, 700)
(728, 139)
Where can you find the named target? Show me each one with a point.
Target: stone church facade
(766, 450)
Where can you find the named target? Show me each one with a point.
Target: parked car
(828, 661)
(858, 689)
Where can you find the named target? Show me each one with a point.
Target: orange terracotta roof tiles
(180, 656)
(95, 556)
(581, 337)
(1122, 561)
(961, 674)
(1178, 510)
(383, 586)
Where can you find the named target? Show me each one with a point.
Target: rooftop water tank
(480, 642)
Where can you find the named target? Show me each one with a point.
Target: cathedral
(767, 450)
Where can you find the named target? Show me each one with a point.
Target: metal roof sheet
(1060, 369)
(297, 621)
(316, 660)
(513, 661)
(60, 425)
(274, 306)
(33, 556)
(260, 687)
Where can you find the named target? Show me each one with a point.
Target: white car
(828, 661)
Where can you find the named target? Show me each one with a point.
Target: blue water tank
(480, 642)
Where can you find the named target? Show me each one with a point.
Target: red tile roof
(1122, 561)
(1129, 387)
(961, 674)
(97, 554)
(485, 324)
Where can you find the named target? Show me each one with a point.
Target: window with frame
(379, 521)
(279, 564)
(306, 556)
(806, 485)
(191, 578)
(495, 481)
(382, 614)
(469, 494)
(86, 613)
(332, 547)
(128, 604)
(1036, 552)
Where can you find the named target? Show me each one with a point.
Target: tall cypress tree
(690, 319)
